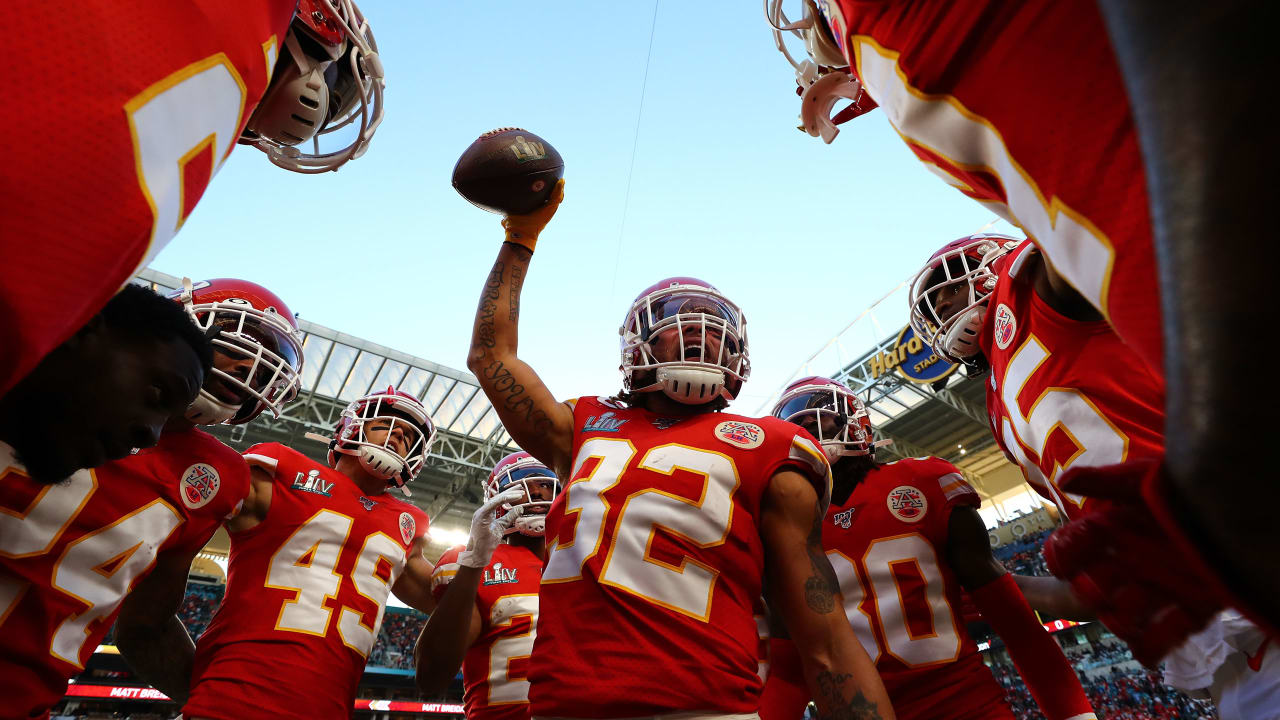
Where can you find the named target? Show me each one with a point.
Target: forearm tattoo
(517, 281)
(489, 305)
(831, 697)
(514, 398)
(821, 587)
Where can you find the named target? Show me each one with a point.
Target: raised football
(508, 171)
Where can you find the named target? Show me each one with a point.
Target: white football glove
(487, 529)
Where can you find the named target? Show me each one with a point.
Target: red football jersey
(69, 553)
(306, 590)
(1063, 392)
(1020, 105)
(495, 669)
(654, 574)
(119, 121)
(887, 544)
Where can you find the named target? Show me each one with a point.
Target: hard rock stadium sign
(912, 359)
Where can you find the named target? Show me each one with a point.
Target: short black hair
(139, 312)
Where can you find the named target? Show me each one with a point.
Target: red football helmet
(944, 319)
(522, 470)
(253, 328)
(330, 76)
(380, 459)
(831, 412)
(824, 78)
(677, 306)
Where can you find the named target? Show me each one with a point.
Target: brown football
(508, 171)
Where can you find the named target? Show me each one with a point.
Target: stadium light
(448, 536)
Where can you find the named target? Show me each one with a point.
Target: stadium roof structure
(946, 418)
(338, 368)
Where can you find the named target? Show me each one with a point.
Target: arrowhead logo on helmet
(682, 337)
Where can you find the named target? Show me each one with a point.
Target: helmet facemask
(329, 76)
(381, 458)
(964, 275)
(529, 475)
(705, 336)
(263, 339)
(823, 78)
(832, 414)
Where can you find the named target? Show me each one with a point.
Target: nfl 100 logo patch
(199, 485)
(844, 519)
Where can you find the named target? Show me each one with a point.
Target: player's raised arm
(803, 591)
(1038, 657)
(535, 420)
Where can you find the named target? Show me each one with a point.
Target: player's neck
(371, 486)
(178, 424)
(534, 544)
(659, 404)
(847, 473)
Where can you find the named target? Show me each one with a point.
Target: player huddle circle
(646, 552)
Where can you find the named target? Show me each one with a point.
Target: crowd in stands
(198, 605)
(1022, 556)
(1115, 695)
(400, 629)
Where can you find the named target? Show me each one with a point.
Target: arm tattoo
(514, 397)
(821, 587)
(489, 305)
(831, 695)
(517, 281)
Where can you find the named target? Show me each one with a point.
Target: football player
(108, 389)
(1062, 389)
(314, 553)
(119, 540)
(257, 366)
(486, 617)
(674, 518)
(1036, 109)
(138, 110)
(904, 538)
(1063, 392)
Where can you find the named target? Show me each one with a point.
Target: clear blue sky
(802, 235)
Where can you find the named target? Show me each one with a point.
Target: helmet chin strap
(821, 93)
(691, 385)
(531, 525)
(208, 410)
(961, 340)
(380, 462)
